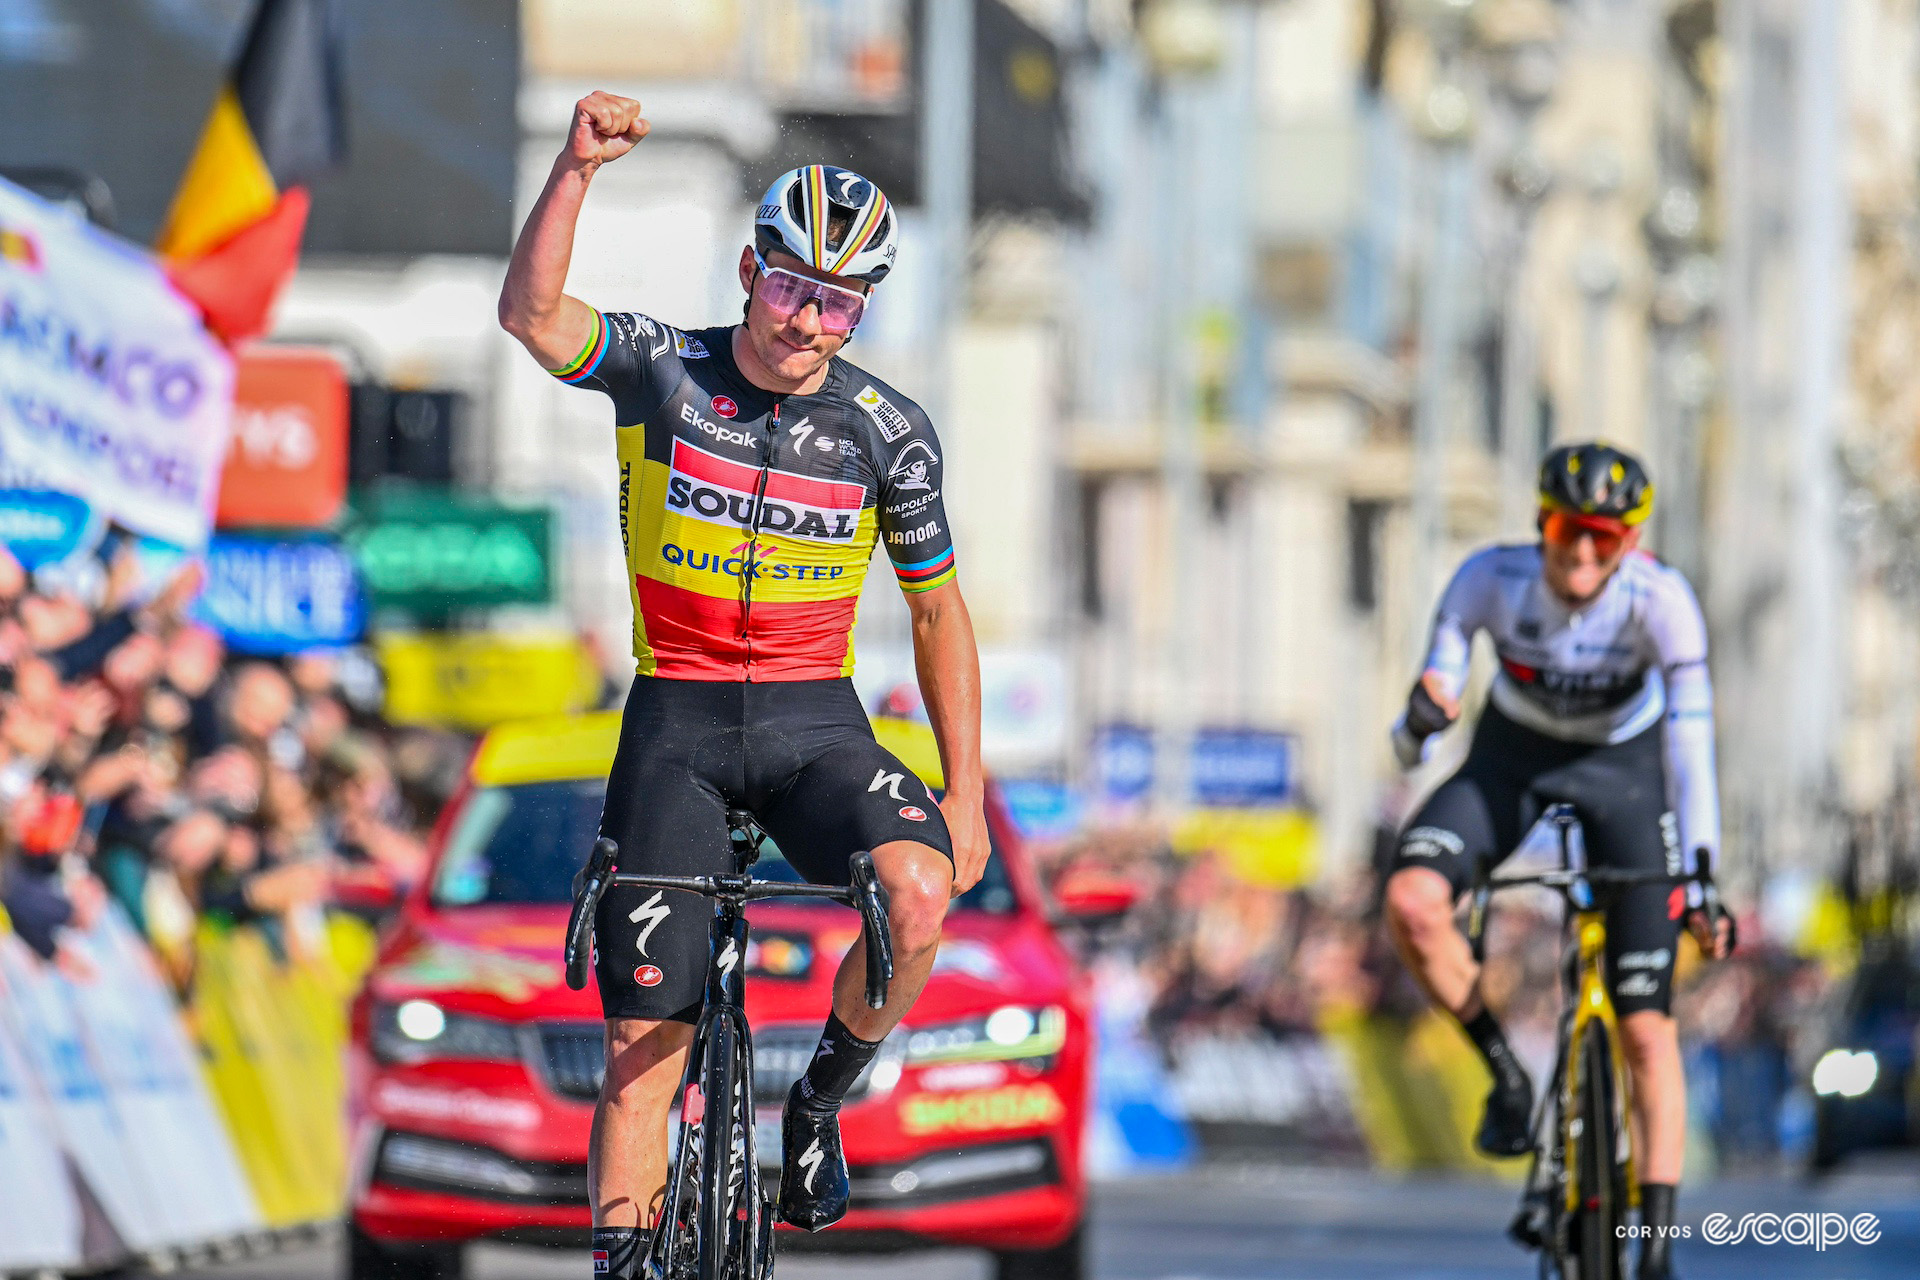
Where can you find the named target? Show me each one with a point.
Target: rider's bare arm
(948, 664)
(534, 306)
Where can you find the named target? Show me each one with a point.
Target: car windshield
(522, 844)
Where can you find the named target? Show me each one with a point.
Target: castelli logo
(724, 406)
(914, 813)
(648, 975)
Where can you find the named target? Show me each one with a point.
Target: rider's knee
(1419, 899)
(1647, 1034)
(917, 899)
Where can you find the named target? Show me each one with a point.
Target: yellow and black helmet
(1596, 479)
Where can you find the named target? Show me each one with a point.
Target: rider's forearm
(1690, 761)
(948, 664)
(533, 302)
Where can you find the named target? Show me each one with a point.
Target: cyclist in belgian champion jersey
(757, 471)
(1601, 700)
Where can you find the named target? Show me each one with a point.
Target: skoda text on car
(473, 1069)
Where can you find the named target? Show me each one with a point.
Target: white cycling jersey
(1632, 656)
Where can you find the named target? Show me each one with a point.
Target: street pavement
(1267, 1223)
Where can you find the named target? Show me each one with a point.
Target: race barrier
(131, 1130)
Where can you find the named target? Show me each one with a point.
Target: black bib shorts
(1619, 791)
(798, 754)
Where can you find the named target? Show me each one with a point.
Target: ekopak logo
(725, 406)
(1816, 1229)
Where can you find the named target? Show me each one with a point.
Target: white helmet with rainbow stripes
(830, 218)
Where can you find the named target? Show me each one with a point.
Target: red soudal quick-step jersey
(748, 516)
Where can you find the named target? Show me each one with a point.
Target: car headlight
(421, 1031)
(1845, 1072)
(1010, 1032)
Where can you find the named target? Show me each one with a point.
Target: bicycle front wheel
(720, 1239)
(1600, 1206)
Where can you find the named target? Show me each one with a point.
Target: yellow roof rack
(563, 748)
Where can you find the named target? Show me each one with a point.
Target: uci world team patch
(892, 423)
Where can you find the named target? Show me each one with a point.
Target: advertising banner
(1025, 700)
(479, 680)
(433, 552)
(172, 1133)
(281, 595)
(92, 1133)
(40, 1225)
(110, 388)
(287, 464)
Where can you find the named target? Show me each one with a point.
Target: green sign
(432, 551)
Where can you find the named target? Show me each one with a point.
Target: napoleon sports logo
(707, 487)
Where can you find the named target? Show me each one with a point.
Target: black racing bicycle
(1581, 1184)
(717, 1222)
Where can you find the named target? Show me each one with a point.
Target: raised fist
(605, 127)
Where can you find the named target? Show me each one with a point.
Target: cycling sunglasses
(786, 292)
(1565, 528)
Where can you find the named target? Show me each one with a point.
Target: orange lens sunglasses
(1565, 528)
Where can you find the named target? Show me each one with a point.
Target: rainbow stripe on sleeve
(927, 574)
(581, 367)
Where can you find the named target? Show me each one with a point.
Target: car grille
(425, 1163)
(573, 1057)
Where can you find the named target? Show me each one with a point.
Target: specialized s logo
(729, 957)
(652, 911)
(893, 424)
(811, 1161)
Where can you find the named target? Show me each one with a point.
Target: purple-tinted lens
(786, 293)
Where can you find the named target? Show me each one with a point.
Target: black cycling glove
(1425, 717)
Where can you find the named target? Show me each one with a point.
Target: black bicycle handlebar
(1563, 880)
(871, 898)
(866, 894)
(594, 880)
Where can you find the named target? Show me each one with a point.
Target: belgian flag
(232, 235)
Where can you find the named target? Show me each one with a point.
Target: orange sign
(287, 460)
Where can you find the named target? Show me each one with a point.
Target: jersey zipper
(753, 540)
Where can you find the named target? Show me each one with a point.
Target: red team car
(473, 1069)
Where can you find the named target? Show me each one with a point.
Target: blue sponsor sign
(282, 595)
(1242, 767)
(40, 526)
(1042, 810)
(1235, 768)
(1123, 762)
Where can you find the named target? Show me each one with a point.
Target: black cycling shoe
(1656, 1260)
(1530, 1226)
(1506, 1129)
(813, 1171)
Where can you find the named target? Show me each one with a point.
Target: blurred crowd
(142, 763)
